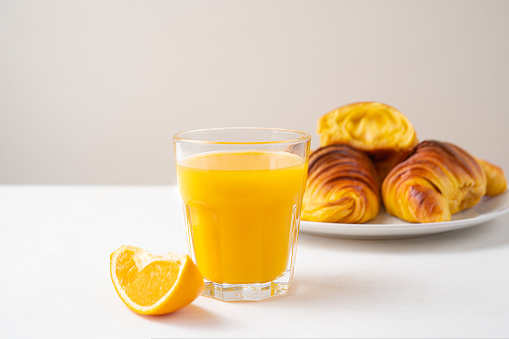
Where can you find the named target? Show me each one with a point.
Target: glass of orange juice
(242, 191)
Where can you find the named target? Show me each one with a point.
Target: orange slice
(154, 284)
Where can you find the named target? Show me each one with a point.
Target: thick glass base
(244, 292)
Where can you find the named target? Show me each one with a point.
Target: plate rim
(406, 228)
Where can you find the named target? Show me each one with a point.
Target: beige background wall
(91, 92)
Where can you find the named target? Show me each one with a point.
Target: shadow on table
(489, 235)
(354, 292)
(189, 316)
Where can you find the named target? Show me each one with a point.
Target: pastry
(380, 130)
(437, 180)
(496, 182)
(341, 186)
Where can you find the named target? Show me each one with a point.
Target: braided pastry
(437, 180)
(341, 186)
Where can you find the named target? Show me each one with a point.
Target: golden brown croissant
(437, 180)
(496, 181)
(380, 130)
(341, 186)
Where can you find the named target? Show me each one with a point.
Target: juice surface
(242, 207)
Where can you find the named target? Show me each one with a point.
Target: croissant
(380, 130)
(496, 181)
(437, 180)
(341, 186)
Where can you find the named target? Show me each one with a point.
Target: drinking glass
(242, 191)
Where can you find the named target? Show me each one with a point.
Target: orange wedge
(154, 284)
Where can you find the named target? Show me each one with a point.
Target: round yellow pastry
(368, 126)
(380, 130)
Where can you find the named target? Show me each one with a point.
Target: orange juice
(242, 209)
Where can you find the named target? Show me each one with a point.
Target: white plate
(385, 226)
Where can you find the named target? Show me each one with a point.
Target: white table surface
(55, 282)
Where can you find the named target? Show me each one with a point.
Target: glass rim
(304, 136)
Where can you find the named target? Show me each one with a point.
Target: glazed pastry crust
(380, 130)
(368, 126)
(496, 181)
(437, 180)
(341, 187)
